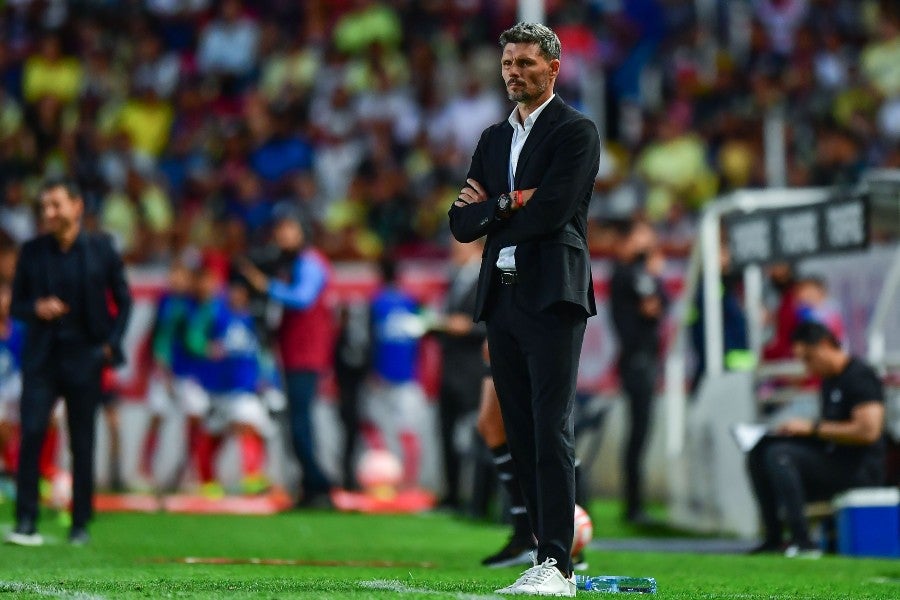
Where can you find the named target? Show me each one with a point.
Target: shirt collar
(529, 121)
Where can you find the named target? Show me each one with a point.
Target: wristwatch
(504, 206)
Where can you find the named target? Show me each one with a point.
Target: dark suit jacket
(560, 158)
(461, 354)
(103, 274)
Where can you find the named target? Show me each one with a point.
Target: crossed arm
(26, 305)
(546, 208)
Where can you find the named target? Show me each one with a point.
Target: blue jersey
(239, 367)
(169, 345)
(11, 352)
(395, 335)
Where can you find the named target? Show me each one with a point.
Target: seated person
(813, 460)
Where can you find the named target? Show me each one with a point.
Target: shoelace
(538, 574)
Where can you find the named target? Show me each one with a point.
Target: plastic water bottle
(611, 584)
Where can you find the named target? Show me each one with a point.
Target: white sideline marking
(398, 587)
(45, 590)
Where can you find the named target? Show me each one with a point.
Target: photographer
(305, 335)
(638, 305)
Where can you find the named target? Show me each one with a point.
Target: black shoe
(448, 504)
(317, 501)
(767, 547)
(639, 518)
(579, 563)
(515, 552)
(79, 537)
(25, 534)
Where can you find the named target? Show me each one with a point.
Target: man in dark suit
(529, 186)
(461, 341)
(637, 302)
(61, 289)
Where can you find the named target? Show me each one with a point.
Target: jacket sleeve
(121, 295)
(307, 284)
(575, 161)
(470, 222)
(24, 294)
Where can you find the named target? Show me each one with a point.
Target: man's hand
(471, 194)
(651, 307)
(458, 324)
(796, 428)
(107, 354)
(252, 274)
(50, 308)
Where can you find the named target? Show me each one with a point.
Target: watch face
(505, 201)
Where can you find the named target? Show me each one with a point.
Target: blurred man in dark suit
(62, 289)
(638, 304)
(461, 341)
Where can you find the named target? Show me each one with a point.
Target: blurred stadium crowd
(187, 121)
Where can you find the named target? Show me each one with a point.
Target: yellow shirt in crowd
(60, 79)
(147, 124)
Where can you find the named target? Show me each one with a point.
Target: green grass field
(135, 556)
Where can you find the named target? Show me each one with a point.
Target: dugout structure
(847, 235)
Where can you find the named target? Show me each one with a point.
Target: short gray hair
(533, 33)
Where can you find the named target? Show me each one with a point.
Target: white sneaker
(803, 551)
(16, 538)
(511, 589)
(542, 580)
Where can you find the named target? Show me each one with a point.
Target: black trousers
(72, 373)
(638, 374)
(534, 361)
(349, 393)
(787, 473)
(457, 399)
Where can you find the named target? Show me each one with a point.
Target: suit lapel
(505, 147)
(539, 131)
(49, 271)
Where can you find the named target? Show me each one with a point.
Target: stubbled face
(526, 73)
(59, 211)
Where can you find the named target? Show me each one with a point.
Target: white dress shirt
(506, 261)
